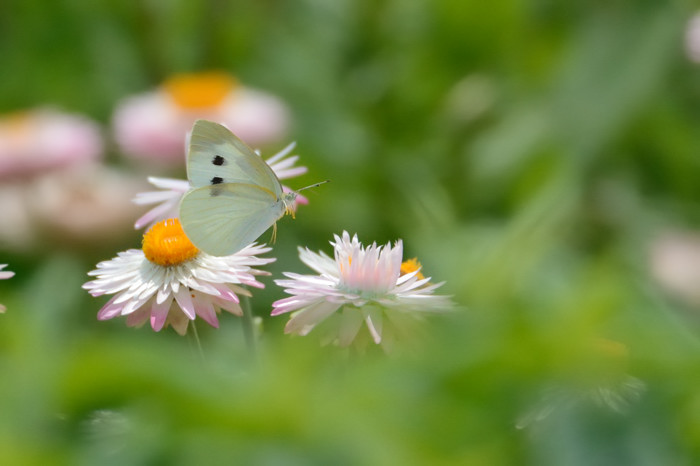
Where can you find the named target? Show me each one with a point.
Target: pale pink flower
(359, 285)
(4, 276)
(556, 399)
(600, 381)
(675, 264)
(85, 203)
(153, 125)
(692, 38)
(172, 190)
(17, 229)
(76, 206)
(170, 282)
(40, 140)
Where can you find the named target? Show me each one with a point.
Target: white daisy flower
(364, 285)
(172, 190)
(170, 282)
(4, 276)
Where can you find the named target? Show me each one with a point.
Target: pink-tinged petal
(153, 215)
(303, 321)
(205, 310)
(240, 291)
(373, 318)
(288, 304)
(138, 318)
(229, 306)
(133, 305)
(350, 322)
(286, 173)
(184, 300)
(110, 310)
(159, 314)
(301, 199)
(226, 293)
(253, 283)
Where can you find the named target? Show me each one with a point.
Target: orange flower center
(611, 348)
(165, 244)
(15, 128)
(199, 90)
(411, 265)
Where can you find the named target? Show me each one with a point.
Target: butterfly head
(289, 200)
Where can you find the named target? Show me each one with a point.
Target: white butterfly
(235, 195)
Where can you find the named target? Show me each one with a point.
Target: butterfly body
(235, 195)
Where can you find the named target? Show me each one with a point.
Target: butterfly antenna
(314, 185)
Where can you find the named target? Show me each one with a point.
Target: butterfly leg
(274, 233)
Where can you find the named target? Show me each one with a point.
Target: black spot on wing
(218, 160)
(215, 191)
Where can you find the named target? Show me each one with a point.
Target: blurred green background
(527, 152)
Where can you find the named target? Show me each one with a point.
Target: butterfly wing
(222, 219)
(217, 156)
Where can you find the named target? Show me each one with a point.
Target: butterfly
(235, 195)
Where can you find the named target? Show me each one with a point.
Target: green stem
(197, 341)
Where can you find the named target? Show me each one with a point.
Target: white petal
(350, 323)
(306, 319)
(373, 318)
(159, 314)
(205, 309)
(184, 300)
(169, 183)
(155, 197)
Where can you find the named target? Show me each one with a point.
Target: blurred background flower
(599, 381)
(152, 126)
(692, 38)
(675, 264)
(54, 190)
(37, 141)
(4, 276)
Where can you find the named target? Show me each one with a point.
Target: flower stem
(197, 341)
(248, 327)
